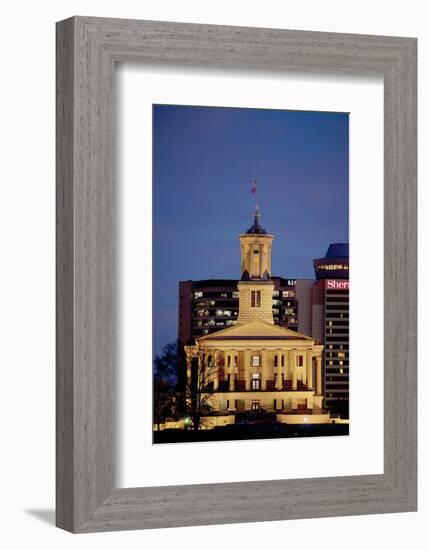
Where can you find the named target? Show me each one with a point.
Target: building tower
(256, 286)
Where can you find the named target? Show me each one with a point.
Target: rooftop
(256, 228)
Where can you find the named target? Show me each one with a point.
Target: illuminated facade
(330, 305)
(255, 366)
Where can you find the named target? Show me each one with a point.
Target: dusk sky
(204, 162)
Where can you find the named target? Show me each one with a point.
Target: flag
(254, 186)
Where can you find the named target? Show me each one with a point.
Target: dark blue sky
(204, 161)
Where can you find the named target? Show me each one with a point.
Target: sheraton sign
(337, 285)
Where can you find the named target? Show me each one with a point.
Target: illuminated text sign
(337, 285)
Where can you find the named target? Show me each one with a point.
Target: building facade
(254, 365)
(330, 324)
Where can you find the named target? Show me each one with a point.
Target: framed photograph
(218, 359)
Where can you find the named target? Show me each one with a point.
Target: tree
(199, 389)
(164, 383)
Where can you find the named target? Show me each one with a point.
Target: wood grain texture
(87, 50)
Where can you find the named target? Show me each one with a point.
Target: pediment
(255, 330)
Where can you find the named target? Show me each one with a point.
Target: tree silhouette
(199, 389)
(165, 375)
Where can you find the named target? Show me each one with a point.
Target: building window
(255, 298)
(275, 361)
(282, 360)
(255, 382)
(300, 360)
(255, 406)
(255, 360)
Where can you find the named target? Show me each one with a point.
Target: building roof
(338, 250)
(255, 330)
(256, 228)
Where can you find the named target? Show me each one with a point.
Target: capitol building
(255, 367)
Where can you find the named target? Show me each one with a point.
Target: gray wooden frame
(87, 50)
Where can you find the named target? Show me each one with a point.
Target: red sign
(337, 284)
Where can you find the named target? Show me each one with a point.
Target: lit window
(198, 294)
(255, 382)
(341, 371)
(255, 360)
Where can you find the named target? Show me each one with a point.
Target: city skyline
(205, 160)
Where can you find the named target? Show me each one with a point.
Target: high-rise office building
(330, 323)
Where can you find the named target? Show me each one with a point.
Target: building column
(192, 352)
(189, 367)
(247, 370)
(232, 372)
(264, 368)
(293, 370)
(309, 369)
(279, 372)
(215, 372)
(304, 368)
(318, 380)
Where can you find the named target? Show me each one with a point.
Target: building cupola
(255, 287)
(256, 248)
